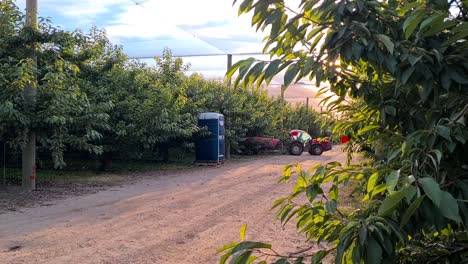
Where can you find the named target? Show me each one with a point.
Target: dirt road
(183, 217)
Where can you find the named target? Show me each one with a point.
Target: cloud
(155, 17)
(78, 14)
(184, 12)
(82, 9)
(213, 22)
(146, 27)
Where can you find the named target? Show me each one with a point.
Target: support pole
(307, 103)
(283, 88)
(227, 146)
(229, 65)
(28, 180)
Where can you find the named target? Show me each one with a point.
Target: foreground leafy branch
(398, 74)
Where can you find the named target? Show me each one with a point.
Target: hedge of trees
(92, 98)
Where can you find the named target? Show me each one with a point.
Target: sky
(145, 27)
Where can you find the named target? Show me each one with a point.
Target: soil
(172, 217)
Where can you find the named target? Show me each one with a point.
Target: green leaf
(243, 66)
(444, 132)
(406, 75)
(394, 154)
(458, 76)
(412, 22)
(439, 27)
(356, 254)
(312, 191)
(454, 38)
(333, 192)
(225, 257)
(449, 207)
(232, 70)
(460, 27)
(281, 261)
(373, 251)
(413, 59)
(390, 202)
(391, 180)
(362, 235)
(330, 206)
(413, 207)
(432, 189)
(285, 212)
(318, 256)
(405, 8)
(433, 20)
(241, 258)
(315, 31)
(438, 154)
(278, 202)
(390, 109)
(251, 259)
(228, 246)
(343, 245)
(255, 73)
(242, 232)
(271, 70)
(317, 39)
(245, 6)
(299, 260)
(307, 66)
(290, 74)
(274, 16)
(445, 80)
(379, 189)
(451, 146)
(367, 129)
(249, 245)
(372, 181)
(386, 41)
(411, 190)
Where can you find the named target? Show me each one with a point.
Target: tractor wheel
(296, 148)
(316, 150)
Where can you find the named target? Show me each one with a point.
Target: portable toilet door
(210, 149)
(221, 142)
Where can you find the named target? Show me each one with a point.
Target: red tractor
(301, 141)
(255, 144)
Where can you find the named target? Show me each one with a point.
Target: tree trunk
(28, 179)
(164, 152)
(105, 161)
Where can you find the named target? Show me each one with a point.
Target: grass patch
(47, 177)
(84, 171)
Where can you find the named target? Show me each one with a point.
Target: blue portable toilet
(210, 149)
